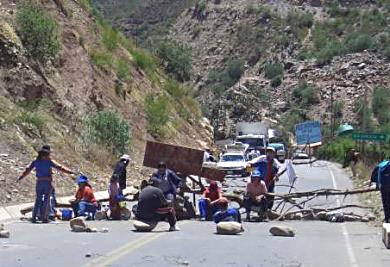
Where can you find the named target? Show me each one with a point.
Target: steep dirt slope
(47, 104)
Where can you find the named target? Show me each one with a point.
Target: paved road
(315, 244)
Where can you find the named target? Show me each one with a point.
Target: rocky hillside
(68, 86)
(289, 60)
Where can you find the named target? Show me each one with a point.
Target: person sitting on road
(381, 176)
(115, 198)
(226, 214)
(85, 204)
(120, 170)
(271, 168)
(255, 197)
(209, 203)
(167, 180)
(43, 166)
(153, 206)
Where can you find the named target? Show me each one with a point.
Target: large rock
(144, 226)
(229, 228)
(386, 234)
(281, 230)
(4, 234)
(100, 215)
(125, 214)
(78, 224)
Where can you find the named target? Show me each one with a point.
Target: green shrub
(386, 52)
(110, 38)
(176, 58)
(31, 119)
(144, 60)
(38, 31)
(253, 9)
(358, 42)
(108, 128)
(336, 149)
(157, 114)
(304, 20)
(123, 70)
(276, 81)
(305, 94)
(235, 68)
(226, 78)
(102, 59)
(380, 104)
(272, 70)
(331, 49)
(176, 89)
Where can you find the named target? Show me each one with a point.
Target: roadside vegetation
(223, 79)
(37, 30)
(99, 130)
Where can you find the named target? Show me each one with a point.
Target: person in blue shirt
(381, 176)
(43, 166)
(226, 214)
(167, 180)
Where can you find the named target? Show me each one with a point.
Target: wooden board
(180, 159)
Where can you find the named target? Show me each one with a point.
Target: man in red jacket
(85, 202)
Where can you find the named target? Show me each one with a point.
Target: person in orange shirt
(85, 204)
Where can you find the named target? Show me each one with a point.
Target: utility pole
(331, 112)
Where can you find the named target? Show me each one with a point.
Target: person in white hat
(120, 173)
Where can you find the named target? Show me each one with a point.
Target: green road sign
(376, 137)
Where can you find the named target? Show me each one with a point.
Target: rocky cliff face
(330, 45)
(47, 103)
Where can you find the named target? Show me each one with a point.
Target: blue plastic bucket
(66, 214)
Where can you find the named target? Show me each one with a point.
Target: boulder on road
(144, 226)
(4, 234)
(100, 215)
(229, 228)
(125, 214)
(78, 224)
(281, 230)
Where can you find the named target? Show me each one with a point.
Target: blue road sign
(308, 132)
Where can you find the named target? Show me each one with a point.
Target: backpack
(383, 174)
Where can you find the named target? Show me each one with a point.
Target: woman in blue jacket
(43, 166)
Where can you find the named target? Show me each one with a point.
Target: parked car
(280, 151)
(233, 164)
(300, 154)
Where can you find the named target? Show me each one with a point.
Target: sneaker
(174, 228)
(203, 219)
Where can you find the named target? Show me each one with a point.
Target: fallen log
(321, 192)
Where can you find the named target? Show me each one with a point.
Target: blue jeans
(43, 191)
(205, 208)
(85, 209)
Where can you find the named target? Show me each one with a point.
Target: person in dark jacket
(167, 180)
(381, 176)
(153, 206)
(120, 170)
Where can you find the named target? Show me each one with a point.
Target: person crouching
(153, 206)
(85, 204)
(255, 195)
(209, 203)
(226, 214)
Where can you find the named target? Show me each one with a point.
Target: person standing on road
(271, 168)
(43, 166)
(120, 170)
(354, 161)
(153, 206)
(53, 199)
(209, 203)
(255, 195)
(115, 198)
(381, 176)
(168, 181)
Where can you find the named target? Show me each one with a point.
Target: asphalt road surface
(315, 244)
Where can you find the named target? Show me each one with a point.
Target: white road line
(344, 229)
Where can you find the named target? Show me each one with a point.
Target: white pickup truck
(234, 161)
